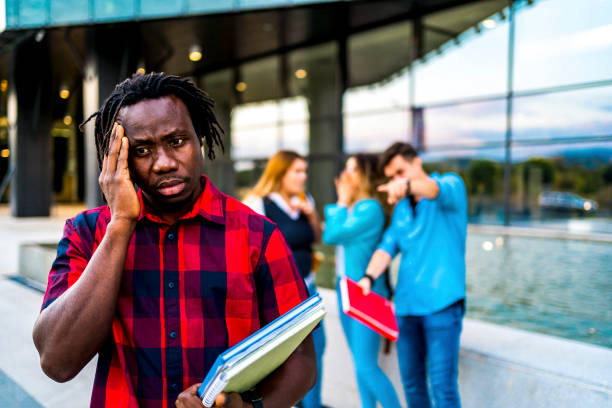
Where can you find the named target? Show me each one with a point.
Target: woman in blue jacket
(355, 224)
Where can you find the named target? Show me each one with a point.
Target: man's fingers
(384, 187)
(113, 149)
(189, 398)
(220, 400)
(364, 284)
(122, 161)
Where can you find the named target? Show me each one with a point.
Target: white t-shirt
(256, 204)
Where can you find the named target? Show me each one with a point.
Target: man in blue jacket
(428, 228)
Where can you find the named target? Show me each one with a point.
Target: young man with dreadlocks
(161, 280)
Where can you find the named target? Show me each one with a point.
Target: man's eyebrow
(141, 140)
(175, 132)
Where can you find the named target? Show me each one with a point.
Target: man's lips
(171, 187)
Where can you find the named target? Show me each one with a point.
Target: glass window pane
(201, 6)
(472, 124)
(151, 8)
(563, 186)
(374, 132)
(579, 113)
(255, 114)
(393, 94)
(294, 109)
(261, 78)
(32, 12)
(254, 143)
(311, 70)
(295, 137)
(562, 42)
(69, 11)
(482, 171)
(262, 3)
(12, 13)
(247, 174)
(113, 9)
(476, 66)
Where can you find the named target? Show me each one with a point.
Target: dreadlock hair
(152, 86)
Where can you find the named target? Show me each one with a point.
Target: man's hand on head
(115, 180)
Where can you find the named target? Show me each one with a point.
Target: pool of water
(553, 286)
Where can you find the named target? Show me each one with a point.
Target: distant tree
(606, 174)
(588, 181)
(545, 165)
(483, 176)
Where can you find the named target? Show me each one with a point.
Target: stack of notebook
(244, 365)
(373, 310)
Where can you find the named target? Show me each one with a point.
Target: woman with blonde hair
(355, 224)
(280, 195)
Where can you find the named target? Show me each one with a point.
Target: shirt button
(174, 386)
(170, 236)
(171, 285)
(173, 335)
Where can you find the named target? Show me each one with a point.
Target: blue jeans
(313, 398)
(364, 343)
(428, 349)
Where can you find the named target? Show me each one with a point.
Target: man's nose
(164, 162)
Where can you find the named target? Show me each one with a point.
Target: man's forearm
(378, 263)
(424, 187)
(70, 331)
(293, 379)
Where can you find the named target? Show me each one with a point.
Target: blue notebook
(244, 365)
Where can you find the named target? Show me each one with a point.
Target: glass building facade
(49, 13)
(518, 105)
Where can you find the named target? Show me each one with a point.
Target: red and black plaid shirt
(189, 291)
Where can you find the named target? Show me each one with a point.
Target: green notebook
(244, 365)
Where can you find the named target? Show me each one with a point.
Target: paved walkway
(22, 382)
(12, 395)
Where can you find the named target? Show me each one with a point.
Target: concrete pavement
(499, 366)
(22, 382)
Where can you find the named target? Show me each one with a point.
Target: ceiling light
(3, 85)
(67, 120)
(489, 23)
(301, 73)
(195, 53)
(64, 92)
(5, 153)
(241, 86)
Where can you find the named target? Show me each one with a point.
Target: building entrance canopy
(161, 34)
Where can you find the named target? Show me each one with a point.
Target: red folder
(373, 310)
